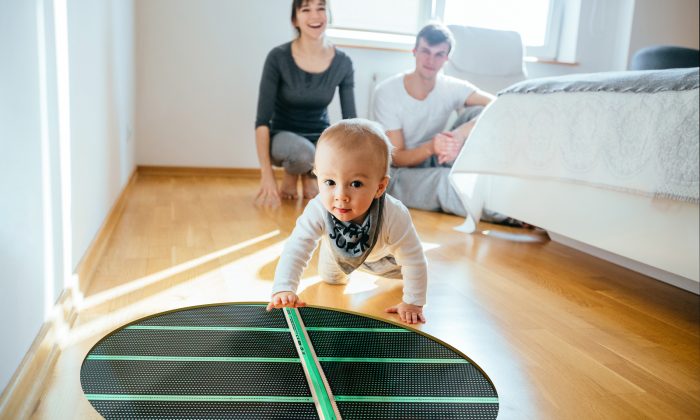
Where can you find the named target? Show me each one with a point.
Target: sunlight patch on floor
(106, 296)
(526, 236)
(307, 282)
(361, 282)
(429, 246)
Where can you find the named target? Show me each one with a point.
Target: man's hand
(447, 146)
(410, 314)
(285, 300)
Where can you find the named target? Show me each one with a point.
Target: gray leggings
(427, 186)
(292, 152)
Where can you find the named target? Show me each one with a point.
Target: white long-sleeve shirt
(397, 238)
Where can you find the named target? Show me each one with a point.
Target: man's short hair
(434, 34)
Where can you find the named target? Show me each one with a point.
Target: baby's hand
(285, 299)
(410, 314)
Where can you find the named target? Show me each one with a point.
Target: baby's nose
(341, 195)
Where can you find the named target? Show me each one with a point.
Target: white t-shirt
(420, 120)
(397, 238)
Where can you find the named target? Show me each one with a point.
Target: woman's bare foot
(288, 189)
(309, 185)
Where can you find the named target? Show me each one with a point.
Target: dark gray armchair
(665, 57)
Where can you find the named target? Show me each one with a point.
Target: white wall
(32, 229)
(22, 224)
(101, 111)
(199, 64)
(198, 67)
(668, 22)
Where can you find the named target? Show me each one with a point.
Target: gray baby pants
(330, 272)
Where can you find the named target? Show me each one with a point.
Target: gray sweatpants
(426, 186)
(292, 152)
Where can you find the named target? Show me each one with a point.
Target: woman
(298, 82)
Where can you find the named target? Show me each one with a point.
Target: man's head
(434, 34)
(352, 165)
(433, 45)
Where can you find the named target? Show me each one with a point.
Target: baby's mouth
(341, 211)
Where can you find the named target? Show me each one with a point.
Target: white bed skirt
(655, 236)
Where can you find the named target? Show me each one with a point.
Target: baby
(360, 226)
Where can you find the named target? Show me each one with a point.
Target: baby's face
(348, 182)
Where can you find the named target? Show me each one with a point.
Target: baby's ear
(381, 188)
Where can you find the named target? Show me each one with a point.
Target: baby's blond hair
(355, 133)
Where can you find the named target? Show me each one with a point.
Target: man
(414, 109)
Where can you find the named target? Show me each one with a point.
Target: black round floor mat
(237, 361)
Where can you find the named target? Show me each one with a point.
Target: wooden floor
(562, 335)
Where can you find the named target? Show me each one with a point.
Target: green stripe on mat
(387, 330)
(324, 399)
(195, 359)
(198, 398)
(198, 328)
(391, 360)
(459, 400)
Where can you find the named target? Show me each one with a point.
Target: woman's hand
(268, 196)
(410, 314)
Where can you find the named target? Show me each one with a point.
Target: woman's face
(311, 19)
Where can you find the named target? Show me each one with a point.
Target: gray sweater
(292, 99)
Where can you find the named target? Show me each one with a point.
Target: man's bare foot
(288, 189)
(309, 185)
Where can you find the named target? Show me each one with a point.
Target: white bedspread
(642, 143)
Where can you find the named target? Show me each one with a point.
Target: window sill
(552, 61)
(371, 40)
(348, 38)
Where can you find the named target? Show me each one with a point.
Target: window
(380, 15)
(537, 21)
(380, 22)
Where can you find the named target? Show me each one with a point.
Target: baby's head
(352, 165)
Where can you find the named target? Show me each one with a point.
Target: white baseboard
(22, 394)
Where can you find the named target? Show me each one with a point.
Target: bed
(606, 163)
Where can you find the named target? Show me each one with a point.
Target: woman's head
(309, 17)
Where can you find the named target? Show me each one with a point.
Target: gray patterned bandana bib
(351, 243)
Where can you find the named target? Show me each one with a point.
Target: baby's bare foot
(288, 189)
(310, 186)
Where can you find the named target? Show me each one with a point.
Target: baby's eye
(329, 182)
(356, 184)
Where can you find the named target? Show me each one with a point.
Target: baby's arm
(296, 255)
(406, 247)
